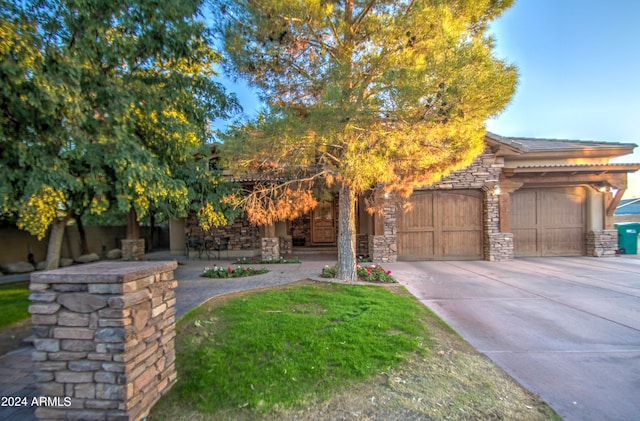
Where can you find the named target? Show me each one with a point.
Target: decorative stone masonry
(362, 244)
(133, 250)
(602, 243)
(286, 245)
(243, 235)
(104, 339)
(499, 247)
(270, 248)
(385, 248)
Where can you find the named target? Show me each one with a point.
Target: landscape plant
(363, 98)
(229, 272)
(370, 273)
(107, 105)
(256, 261)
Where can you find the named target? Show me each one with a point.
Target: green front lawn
(14, 302)
(277, 348)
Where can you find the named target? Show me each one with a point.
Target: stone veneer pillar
(602, 243)
(104, 338)
(498, 246)
(286, 245)
(384, 248)
(270, 248)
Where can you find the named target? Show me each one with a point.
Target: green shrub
(256, 261)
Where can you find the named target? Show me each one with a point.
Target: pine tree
(362, 95)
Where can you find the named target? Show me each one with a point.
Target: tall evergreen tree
(362, 94)
(103, 104)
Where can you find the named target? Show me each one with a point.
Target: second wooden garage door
(548, 222)
(442, 225)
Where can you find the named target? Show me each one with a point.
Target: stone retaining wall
(104, 338)
(602, 243)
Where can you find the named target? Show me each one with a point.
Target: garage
(442, 225)
(548, 221)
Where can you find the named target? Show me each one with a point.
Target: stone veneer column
(286, 245)
(270, 248)
(602, 243)
(104, 338)
(498, 246)
(384, 248)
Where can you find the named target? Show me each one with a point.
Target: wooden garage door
(442, 225)
(548, 222)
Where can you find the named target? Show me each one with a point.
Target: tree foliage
(364, 94)
(102, 105)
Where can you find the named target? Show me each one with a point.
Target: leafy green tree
(103, 106)
(362, 95)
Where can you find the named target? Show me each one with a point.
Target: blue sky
(579, 66)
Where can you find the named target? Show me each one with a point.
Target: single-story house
(521, 197)
(628, 211)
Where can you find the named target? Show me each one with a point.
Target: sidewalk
(16, 366)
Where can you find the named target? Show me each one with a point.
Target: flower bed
(229, 272)
(371, 273)
(256, 261)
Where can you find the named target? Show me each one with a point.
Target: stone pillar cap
(103, 272)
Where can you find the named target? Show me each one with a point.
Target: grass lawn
(315, 350)
(14, 302)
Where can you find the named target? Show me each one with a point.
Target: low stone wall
(602, 243)
(104, 338)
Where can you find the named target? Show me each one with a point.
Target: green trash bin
(628, 237)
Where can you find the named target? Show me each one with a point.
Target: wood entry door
(323, 226)
(442, 225)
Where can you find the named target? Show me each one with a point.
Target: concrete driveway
(568, 329)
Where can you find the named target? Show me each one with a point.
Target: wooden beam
(611, 203)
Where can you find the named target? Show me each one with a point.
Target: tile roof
(529, 144)
(585, 166)
(628, 207)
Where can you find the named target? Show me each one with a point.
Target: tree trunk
(84, 246)
(133, 227)
(152, 230)
(54, 248)
(346, 269)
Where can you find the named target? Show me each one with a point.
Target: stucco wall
(15, 244)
